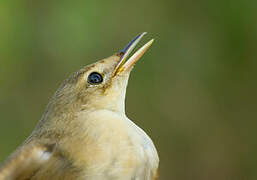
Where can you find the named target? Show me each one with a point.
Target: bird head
(101, 85)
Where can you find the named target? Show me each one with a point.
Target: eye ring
(95, 78)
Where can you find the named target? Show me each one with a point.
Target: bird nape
(84, 132)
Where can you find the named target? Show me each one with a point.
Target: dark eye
(95, 78)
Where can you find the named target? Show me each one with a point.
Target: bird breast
(112, 147)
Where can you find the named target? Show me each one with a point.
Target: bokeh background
(194, 92)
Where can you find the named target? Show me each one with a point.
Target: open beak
(124, 65)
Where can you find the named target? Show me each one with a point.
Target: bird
(84, 133)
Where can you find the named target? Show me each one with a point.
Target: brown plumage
(84, 133)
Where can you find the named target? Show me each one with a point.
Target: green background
(194, 92)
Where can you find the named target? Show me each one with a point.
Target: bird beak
(124, 65)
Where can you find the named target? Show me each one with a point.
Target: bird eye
(95, 78)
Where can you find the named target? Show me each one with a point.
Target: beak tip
(151, 41)
(136, 39)
(143, 33)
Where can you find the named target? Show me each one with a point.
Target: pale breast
(115, 148)
(149, 153)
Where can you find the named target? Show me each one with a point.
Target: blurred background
(194, 92)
